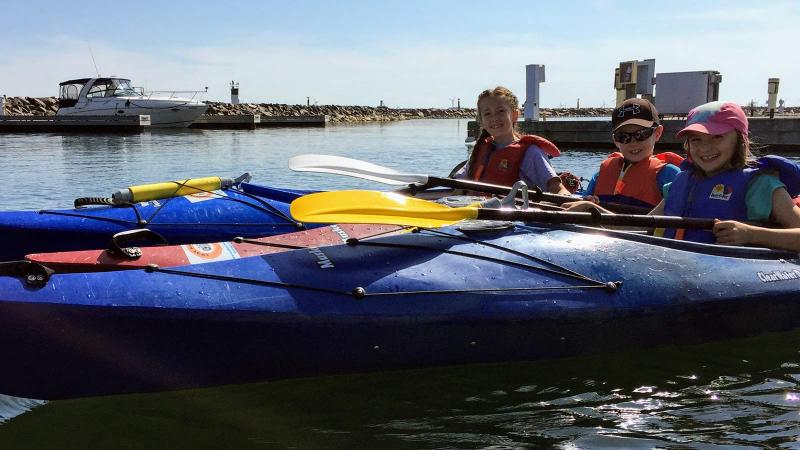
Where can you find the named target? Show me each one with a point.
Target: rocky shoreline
(45, 106)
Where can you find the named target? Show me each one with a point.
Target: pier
(86, 124)
(777, 135)
(138, 124)
(253, 121)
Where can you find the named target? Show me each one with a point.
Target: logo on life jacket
(503, 164)
(721, 192)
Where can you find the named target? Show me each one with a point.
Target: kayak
(476, 292)
(244, 209)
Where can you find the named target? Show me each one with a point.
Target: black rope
(360, 292)
(350, 241)
(270, 206)
(140, 222)
(364, 293)
(101, 219)
(568, 273)
(508, 250)
(208, 276)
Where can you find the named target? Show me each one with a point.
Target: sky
(406, 53)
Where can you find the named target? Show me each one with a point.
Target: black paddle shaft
(535, 193)
(595, 218)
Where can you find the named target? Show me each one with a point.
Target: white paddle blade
(353, 168)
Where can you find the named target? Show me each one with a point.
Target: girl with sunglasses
(633, 175)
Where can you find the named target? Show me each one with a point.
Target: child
(719, 182)
(502, 156)
(633, 176)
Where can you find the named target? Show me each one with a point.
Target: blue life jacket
(722, 196)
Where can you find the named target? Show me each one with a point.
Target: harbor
(249, 225)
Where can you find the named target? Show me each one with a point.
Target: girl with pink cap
(719, 181)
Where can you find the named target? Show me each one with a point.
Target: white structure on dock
(534, 74)
(234, 93)
(3, 105)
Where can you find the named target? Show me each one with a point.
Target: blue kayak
(246, 210)
(457, 295)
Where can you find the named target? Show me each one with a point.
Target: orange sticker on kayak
(203, 253)
(203, 196)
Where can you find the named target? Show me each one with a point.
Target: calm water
(733, 394)
(46, 171)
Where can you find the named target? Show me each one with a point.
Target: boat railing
(170, 94)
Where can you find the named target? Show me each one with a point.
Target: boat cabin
(73, 90)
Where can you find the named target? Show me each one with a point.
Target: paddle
(395, 209)
(361, 169)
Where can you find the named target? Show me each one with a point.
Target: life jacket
(722, 196)
(788, 172)
(637, 185)
(502, 166)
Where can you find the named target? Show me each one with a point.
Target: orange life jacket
(638, 182)
(502, 166)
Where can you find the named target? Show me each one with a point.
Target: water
(732, 394)
(48, 171)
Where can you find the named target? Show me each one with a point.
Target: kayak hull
(405, 301)
(247, 211)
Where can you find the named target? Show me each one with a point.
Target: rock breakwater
(44, 106)
(337, 113)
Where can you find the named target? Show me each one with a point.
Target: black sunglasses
(640, 135)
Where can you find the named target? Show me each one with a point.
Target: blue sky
(406, 53)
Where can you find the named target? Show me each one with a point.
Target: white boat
(113, 96)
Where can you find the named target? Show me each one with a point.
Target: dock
(236, 122)
(138, 124)
(253, 121)
(74, 124)
(778, 135)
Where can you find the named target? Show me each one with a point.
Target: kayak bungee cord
(241, 240)
(568, 274)
(267, 208)
(360, 292)
(505, 249)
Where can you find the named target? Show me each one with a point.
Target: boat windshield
(111, 87)
(124, 89)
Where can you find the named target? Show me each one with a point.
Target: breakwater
(45, 106)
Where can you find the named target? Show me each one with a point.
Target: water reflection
(730, 394)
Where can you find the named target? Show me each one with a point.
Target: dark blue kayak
(246, 210)
(436, 297)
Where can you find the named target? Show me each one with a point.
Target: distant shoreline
(45, 106)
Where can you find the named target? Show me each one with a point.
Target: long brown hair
(513, 104)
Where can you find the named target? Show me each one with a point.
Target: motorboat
(114, 96)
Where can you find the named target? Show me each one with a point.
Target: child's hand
(579, 206)
(730, 232)
(592, 198)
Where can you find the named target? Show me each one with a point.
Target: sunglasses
(640, 135)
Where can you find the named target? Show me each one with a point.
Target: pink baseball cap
(716, 118)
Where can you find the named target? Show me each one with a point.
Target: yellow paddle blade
(376, 207)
